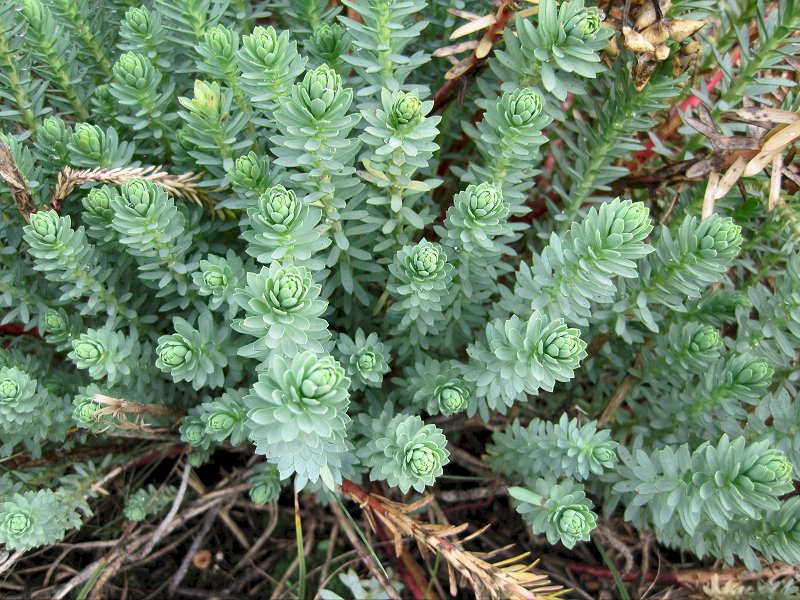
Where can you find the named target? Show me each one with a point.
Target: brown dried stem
(10, 174)
(510, 578)
(117, 408)
(495, 25)
(184, 186)
(620, 394)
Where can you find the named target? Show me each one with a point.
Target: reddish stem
(634, 576)
(408, 578)
(18, 329)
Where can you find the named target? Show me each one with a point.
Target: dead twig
(199, 538)
(162, 528)
(224, 515)
(10, 174)
(363, 553)
(510, 578)
(620, 394)
(494, 25)
(118, 409)
(184, 186)
(262, 539)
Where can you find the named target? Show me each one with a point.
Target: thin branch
(363, 553)
(162, 528)
(208, 521)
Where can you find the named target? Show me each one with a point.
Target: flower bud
(249, 172)
(770, 468)
(588, 24)
(328, 42)
(51, 139)
(90, 140)
(85, 411)
(33, 11)
(286, 290)
(46, 226)
(484, 201)
(260, 494)
(705, 339)
(215, 279)
(322, 378)
(563, 346)
(406, 111)
(524, 105)
(220, 422)
(207, 97)
(452, 398)
(320, 88)
(137, 20)
(175, 353)
(139, 195)
(604, 456)
(278, 208)
(422, 461)
(222, 43)
(9, 388)
(723, 236)
(631, 221)
(133, 70)
(366, 361)
(98, 202)
(88, 351)
(266, 484)
(18, 523)
(426, 260)
(55, 322)
(263, 44)
(756, 373)
(572, 522)
(193, 431)
(135, 512)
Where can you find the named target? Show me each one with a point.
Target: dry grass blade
(184, 186)
(508, 579)
(9, 172)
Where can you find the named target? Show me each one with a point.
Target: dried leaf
(647, 13)
(466, 15)
(762, 115)
(662, 52)
(707, 130)
(635, 41)
(782, 138)
(727, 181)
(459, 69)
(643, 70)
(656, 34)
(455, 48)
(484, 47)
(679, 30)
(759, 162)
(710, 194)
(473, 26)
